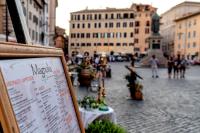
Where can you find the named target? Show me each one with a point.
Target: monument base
(159, 55)
(155, 48)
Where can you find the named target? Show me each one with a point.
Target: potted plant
(104, 126)
(90, 103)
(85, 73)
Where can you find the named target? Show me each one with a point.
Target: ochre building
(105, 30)
(187, 41)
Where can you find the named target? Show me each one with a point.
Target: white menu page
(39, 95)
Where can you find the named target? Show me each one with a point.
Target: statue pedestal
(155, 48)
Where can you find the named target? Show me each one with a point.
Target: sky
(66, 6)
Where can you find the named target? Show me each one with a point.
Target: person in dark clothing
(170, 65)
(133, 60)
(177, 64)
(183, 67)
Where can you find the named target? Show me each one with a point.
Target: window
(33, 34)
(136, 40)
(82, 44)
(98, 44)
(106, 25)
(73, 26)
(137, 31)
(124, 24)
(78, 35)
(108, 35)
(36, 35)
(72, 35)
(137, 23)
(95, 44)
(111, 25)
(194, 44)
(131, 24)
(106, 16)
(131, 44)
(189, 24)
(118, 44)
(35, 19)
(131, 34)
(89, 25)
(95, 35)
(88, 44)
(147, 23)
(95, 25)
(188, 34)
(24, 10)
(72, 44)
(195, 21)
(136, 49)
(146, 30)
(82, 35)
(99, 16)
(99, 25)
(78, 26)
(118, 24)
(125, 34)
(83, 17)
(131, 15)
(95, 16)
(88, 35)
(125, 15)
(30, 1)
(111, 44)
(77, 44)
(83, 26)
(118, 16)
(118, 35)
(112, 16)
(30, 15)
(78, 17)
(194, 34)
(105, 44)
(88, 17)
(124, 44)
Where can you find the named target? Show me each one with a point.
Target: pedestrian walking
(154, 66)
(183, 65)
(133, 60)
(170, 65)
(177, 65)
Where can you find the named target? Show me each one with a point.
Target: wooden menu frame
(15, 51)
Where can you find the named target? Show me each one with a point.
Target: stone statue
(155, 27)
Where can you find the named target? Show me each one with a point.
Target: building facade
(187, 36)
(38, 20)
(167, 28)
(110, 29)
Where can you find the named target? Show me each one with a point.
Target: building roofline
(180, 4)
(103, 10)
(187, 16)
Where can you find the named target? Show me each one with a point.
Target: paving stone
(169, 106)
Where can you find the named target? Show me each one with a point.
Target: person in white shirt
(154, 66)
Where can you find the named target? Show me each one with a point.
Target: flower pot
(85, 77)
(138, 95)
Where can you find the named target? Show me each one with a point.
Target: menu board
(39, 94)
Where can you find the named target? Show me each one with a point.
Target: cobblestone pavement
(169, 106)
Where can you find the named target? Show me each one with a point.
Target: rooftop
(187, 16)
